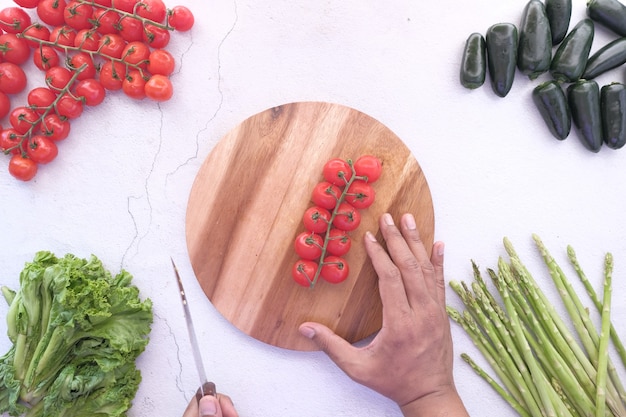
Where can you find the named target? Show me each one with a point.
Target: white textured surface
(120, 184)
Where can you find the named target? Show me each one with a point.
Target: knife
(206, 387)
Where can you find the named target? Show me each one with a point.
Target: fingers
(437, 260)
(337, 349)
(209, 406)
(407, 272)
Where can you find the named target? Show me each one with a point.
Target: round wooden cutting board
(245, 210)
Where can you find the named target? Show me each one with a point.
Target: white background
(120, 185)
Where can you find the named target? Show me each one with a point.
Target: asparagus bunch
(543, 368)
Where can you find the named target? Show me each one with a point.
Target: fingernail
(207, 406)
(440, 249)
(307, 331)
(388, 219)
(370, 236)
(409, 222)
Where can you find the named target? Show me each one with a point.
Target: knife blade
(206, 387)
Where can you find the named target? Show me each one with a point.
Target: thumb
(209, 406)
(337, 348)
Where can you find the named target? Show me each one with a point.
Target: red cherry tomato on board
(360, 194)
(338, 242)
(326, 195)
(347, 218)
(303, 272)
(368, 166)
(22, 168)
(46, 57)
(316, 219)
(337, 172)
(309, 246)
(334, 269)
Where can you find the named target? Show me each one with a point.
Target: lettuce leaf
(77, 331)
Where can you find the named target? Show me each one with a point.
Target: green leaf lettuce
(76, 331)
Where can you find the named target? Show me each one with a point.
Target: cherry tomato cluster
(84, 49)
(346, 189)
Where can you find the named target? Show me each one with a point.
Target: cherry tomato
(52, 12)
(180, 18)
(106, 20)
(338, 242)
(337, 172)
(154, 10)
(360, 194)
(155, 36)
(161, 62)
(10, 139)
(125, 5)
(55, 127)
(347, 218)
(368, 166)
(23, 119)
(130, 29)
(38, 32)
(14, 49)
(14, 19)
(27, 4)
(12, 78)
(87, 40)
(112, 45)
(46, 57)
(159, 88)
(304, 271)
(69, 107)
(5, 102)
(134, 85)
(80, 59)
(316, 219)
(326, 195)
(62, 36)
(58, 77)
(41, 98)
(105, 3)
(136, 53)
(91, 91)
(309, 246)
(41, 149)
(78, 15)
(112, 75)
(22, 168)
(334, 269)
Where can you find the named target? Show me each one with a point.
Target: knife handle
(208, 388)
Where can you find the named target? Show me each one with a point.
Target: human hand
(410, 359)
(210, 406)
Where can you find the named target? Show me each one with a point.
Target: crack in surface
(219, 90)
(138, 237)
(179, 377)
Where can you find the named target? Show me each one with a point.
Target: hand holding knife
(206, 387)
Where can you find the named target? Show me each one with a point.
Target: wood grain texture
(245, 210)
